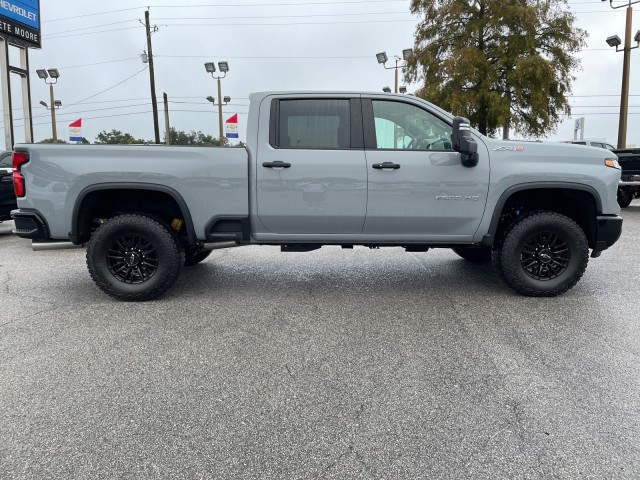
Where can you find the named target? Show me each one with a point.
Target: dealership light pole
(407, 53)
(210, 67)
(614, 41)
(54, 74)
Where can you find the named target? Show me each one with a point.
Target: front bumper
(29, 224)
(609, 230)
(629, 180)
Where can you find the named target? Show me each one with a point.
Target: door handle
(276, 164)
(386, 165)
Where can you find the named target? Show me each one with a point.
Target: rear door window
(314, 124)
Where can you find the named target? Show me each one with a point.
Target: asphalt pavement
(337, 364)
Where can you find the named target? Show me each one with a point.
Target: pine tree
(498, 62)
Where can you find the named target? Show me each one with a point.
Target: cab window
(402, 126)
(314, 124)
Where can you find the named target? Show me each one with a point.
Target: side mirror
(463, 142)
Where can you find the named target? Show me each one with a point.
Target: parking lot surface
(330, 364)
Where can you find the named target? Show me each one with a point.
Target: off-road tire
(567, 253)
(155, 273)
(625, 197)
(474, 254)
(193, 257)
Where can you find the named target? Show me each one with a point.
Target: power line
(107, 89)
(89, 33)
(97, 63)
(359, 14)
(89, 28)
(234, 5)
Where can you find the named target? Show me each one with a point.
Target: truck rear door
(311, 169)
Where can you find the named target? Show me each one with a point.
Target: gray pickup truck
(325, 169)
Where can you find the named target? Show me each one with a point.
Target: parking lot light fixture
(55, 75)
(44, 104)
(407, 53)
(614, 41)
(226, 99)
(403, 89)
(637, 37)
(386, 89)
(224, 68)
(58, 103)
(211, 99)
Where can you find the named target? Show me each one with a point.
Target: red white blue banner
(75, 131)
(232, 126)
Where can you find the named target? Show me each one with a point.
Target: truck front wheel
(625, 197)
(134, 257)
(542, 255)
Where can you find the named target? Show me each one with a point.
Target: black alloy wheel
(545, 256)
(134, 257)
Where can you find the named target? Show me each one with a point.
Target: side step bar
(64, 245)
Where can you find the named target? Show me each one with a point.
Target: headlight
(612, 162)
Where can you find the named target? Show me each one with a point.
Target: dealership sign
(20, 22)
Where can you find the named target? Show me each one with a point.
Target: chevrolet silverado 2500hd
(325, 169)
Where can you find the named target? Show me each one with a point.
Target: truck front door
(418, 188)
(311, 169)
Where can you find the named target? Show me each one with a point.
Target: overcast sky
(270, 45)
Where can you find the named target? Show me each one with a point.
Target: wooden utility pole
(152, 79)
(167, 129)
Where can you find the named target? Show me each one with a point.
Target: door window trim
(355, 123)
(369, 125)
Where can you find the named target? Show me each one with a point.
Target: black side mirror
(463, 142)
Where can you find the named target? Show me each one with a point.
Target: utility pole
(152, 79)
(54, 129)
(624, 95)
(220, 113)
(166, 119)
(614, 41)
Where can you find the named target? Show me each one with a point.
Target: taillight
(18, 159)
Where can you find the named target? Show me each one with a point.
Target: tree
(117, 137)
(179, 137)
(497, 62)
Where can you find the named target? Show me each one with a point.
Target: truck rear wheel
(134, 257)
(542, 255)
